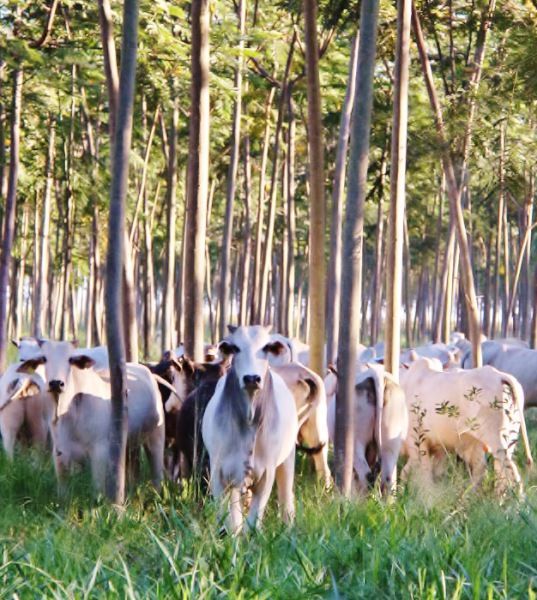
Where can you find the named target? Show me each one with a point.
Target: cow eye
(228, 348)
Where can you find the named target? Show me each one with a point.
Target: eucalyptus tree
(115, 484)
(197, 180)
(351, 288)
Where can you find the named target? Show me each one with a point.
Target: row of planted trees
(225, 201)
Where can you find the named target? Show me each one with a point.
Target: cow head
(250, 347)
(59, 359)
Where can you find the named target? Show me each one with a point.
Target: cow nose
(251, 380)
(55, 386)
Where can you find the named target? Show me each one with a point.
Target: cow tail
(516, 391)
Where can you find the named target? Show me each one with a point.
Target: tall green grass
(448, 542)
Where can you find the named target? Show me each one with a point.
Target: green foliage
(443, 542)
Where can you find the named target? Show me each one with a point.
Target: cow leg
(285, 475)
(388, 468)
(506, 474)
(61, 467)
(361, 467)
(11, 419)
(154, 447)
(260, 497)
(99, 460)
(314, 434)
(36, 421)
(236, 517)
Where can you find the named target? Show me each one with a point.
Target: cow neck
(246, 412)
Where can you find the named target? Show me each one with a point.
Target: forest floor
(446, 542)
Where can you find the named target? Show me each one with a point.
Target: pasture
(448, 542)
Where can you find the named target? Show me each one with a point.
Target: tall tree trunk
(269, 233)
(110, 62)
(349, 328)
(41, 296)
(454, 191)
(290, 217)
(198, 180)
(169, 268)
(10, 210)
(247, 252)
(525, 281)
(115, 484)
(396, 217)
(334, 264)
(376, 306)
(232, 178)
(256, 291)
(317, 266)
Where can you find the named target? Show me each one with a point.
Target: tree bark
(42, 277)
(10, 210)
(110, 62)
(232, 178)
(115, 484)
(397, 193)
(169, 266)
(349, 328)
(454, 191)
(198, 180)
(256, 292)
(334, 264)
(317, 266)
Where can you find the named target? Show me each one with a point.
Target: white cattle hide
(466, 412)
(250, 428)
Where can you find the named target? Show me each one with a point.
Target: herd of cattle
(238, 418)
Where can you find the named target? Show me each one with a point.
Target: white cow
(293, 350)
(250, 428)
(22, 401)
(447, 355)
(466, 412)
(517, 360)
(310, 400)
(380, 424)
(82, 411)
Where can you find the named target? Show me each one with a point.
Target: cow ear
(15, 343)
(226, 348)
(232, 328)
(268, 328)
(75, 343)
(275, 348)
(81, 362)
(40, 342)
(168, 355)
(332, 369)
(30, 365)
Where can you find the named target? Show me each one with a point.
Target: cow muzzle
(252, 383)
(55, 386)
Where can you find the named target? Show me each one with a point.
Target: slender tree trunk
(232, 177)
(349, 328)
(454, 191)
(291, 217)
(247, 252)
(397, 193)
(525, 282)
(317, 266)
(488, 287)
(110, 62)
(198, 181)
(256, 292)
(10, 210)
(269, 233)
(42, 278)
(169, 268)
(334, 264)
(115, 484)
(377, 281)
